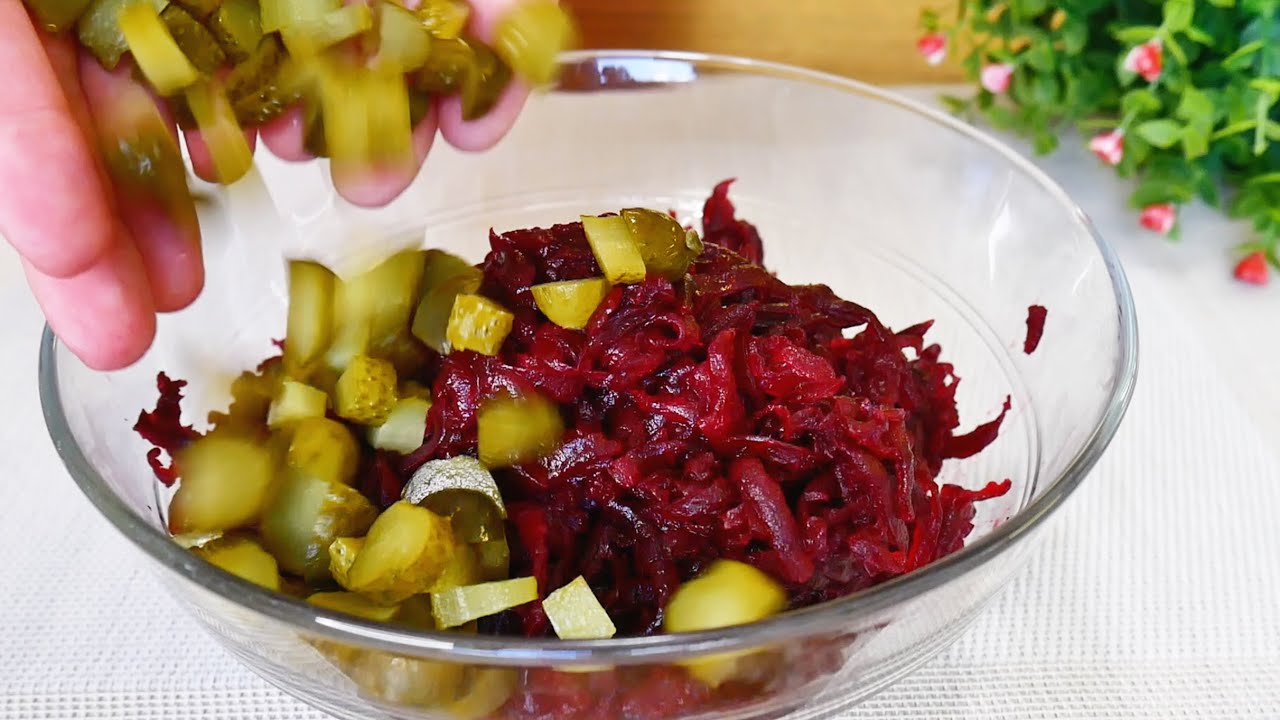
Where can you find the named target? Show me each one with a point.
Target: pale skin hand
(101, 264)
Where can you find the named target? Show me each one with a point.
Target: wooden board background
(871, 40)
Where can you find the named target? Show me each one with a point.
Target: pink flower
(1159, 218)
(996, 77)
(933, 47)
(1146, 60)
(1253, 269)
(1108, 146)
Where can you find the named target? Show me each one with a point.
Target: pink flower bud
(933, 47)
(996, 77)
(1108, 146)
(1159, 218)
(1146, 60)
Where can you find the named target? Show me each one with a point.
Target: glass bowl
(895, 206)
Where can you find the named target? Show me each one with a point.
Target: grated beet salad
(725, 415)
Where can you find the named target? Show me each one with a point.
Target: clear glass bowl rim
(827, 618)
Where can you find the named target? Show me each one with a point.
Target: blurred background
(871, 40)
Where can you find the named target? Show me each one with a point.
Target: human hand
(103, 261)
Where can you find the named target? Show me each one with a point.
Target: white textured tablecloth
(1155, 595)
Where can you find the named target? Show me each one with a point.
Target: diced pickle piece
(366, 391)
(199, 9)
(462, 570)
(415, 389)
(406, 550)
(325, 449)
(514, 431)
(296, 401)
(309, 37)
(57, 15)
(237, 25)
(489, 690)
(727, 593)
(576, 614)
(354, 604)
(457, 606)
(440, 481)
(222, 135)
(406, 681)
(494, 557)
(304, 519)
(194, 39)
(484, 82)
(225, 483)
(404, 351)
(310, 323)
(142, 155)
(531, 36)
(244, 558)
(251, 395)
(99, 29)
(447, 65)
(279, 14)
(443, 282)
(342, 555)
(366, 117)
(474, 516)
(154, 49)
(664, 244)
(403, 40)
(615, 250)
(394, 286)
(260, 87)
(404, 428)
(570, 303)
(479, 324)
(444, 19)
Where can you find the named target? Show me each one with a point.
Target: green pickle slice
(244, 558)
(366, 391)
(309, 326)
(479, 324)
(324, 449)
(143, 157)
(615, 250)
(447, 64)
(342, 555)
(154, 49)
(462, 489)
(513, 431)
(257, 87)
(531, 35)
(295, 402)
(404, 428)
(666, 247)
(576, 613)
(461, 605)
(194, 39)
(304, 519)
(228, 148)
(570, 303)
(405, 552)
(55, 16)
(444, 19)
(484, 83)
(407, 681)
(445, 277)
(237, 26)
(99, 29)
(403, 40)
(200, 9)
(226, 481)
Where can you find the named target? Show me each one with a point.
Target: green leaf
(1160, 133)
(1044, 89)
(1045, 143)
(1243, 55)
(1199, 36)
(1207, 189)
(1271, 178)
(1234, 129)
(1175, 49)
(1223, 3)
(1154, 191)
(1195, 107)
(1139, 101)
(1178, 14)
(1001, 117)
(1195, 142)
(1135, 34)
(1075, 36)
(1273, 130)
(1267, 86)
(954, 104)
(1040, 56)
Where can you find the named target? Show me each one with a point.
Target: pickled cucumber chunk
(570, 303)
(484, 82)
(325, 449)
(727, 593)
(447, 64)
(366, 116)
(310, 321)
(306, 516)
(494, 557)
(228, 149)
(404, 428)
(244, 558)
(354, 604)
(279, 14)
(142, 156)
(614, 248)
(445, 277)
(226, 481)
(479, 324)
(460, 605)
(464, 569)
(372, 310)
(342, 555)
(251, 395)
(194, 39)
(513, 431)
(99, 29)
(488, 690)
(366, 391)
(237, 26)
(199, 9)
(407, 681)
(443, 486)
(312, 35)
(403, 40)
(666, 247)
(405, 552)
(576, 614)
(530, 37)
(57, 15)
(259, 88)
(154, 49)
(444, 19)
(296, 402)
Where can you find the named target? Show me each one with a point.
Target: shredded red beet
(163, 428)
(1036, 315)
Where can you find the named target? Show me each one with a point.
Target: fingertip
(202, 161)
(485, 132)
(285, 136)
(375, 187)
